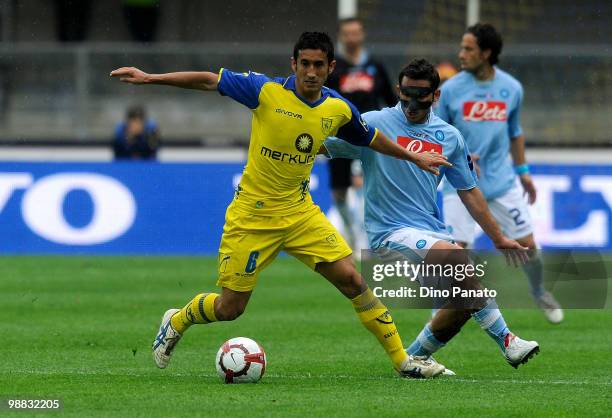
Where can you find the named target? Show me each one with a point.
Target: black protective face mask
(415, 93)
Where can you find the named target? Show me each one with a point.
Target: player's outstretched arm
(476, 204)
(199, 80)
(428, 161)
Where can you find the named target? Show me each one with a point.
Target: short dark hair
(487, 37)
(314, 40)
(421, 69)
(136, 112)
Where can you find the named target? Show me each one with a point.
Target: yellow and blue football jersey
(286, 134)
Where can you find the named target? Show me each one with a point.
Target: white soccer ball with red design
(241, 360)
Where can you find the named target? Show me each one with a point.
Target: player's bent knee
(443, 252)
(355, 285)
(344, 276)
(229, 313)
(228, 310)
(461, 318)
(351, 285)
(231, 304)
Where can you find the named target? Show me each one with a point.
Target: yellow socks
(200, 310)
(371, 312)
(377, 319)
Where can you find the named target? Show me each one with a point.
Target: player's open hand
(430, 161)
(529, 188)
(515, 253)
(130, 75)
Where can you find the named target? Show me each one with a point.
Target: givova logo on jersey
(417, 145)
(482, 111)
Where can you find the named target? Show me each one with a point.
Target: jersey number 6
(252, 262)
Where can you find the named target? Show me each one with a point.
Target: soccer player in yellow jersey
(272, 209)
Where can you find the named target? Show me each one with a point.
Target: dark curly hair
(421, 69)
(488, 38)
(314, 40)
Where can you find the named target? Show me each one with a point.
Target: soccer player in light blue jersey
(484, 103)
(401, 212)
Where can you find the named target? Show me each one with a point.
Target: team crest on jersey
(332, 239)
(326, 125)
(304, 142)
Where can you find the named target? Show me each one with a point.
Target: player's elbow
(470, 196)
(211, 80)
(473, 200)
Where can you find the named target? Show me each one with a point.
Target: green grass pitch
(80, 329)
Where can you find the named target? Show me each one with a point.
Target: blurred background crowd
(55, 57)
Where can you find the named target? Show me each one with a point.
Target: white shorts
(509, 210)
(414, 243)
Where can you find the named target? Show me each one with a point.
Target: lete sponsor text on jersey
(482, 111)
(416, 145)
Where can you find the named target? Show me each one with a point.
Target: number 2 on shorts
(516, 215)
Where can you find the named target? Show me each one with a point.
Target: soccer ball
(241, 360)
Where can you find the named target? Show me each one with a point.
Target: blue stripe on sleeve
(461, 175)
(514, 119)
(242, 87)
(356, 131)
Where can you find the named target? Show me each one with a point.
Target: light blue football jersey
(398, 194)
(488, 116)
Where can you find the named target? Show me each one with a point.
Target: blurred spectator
(360, 78)
(72, 19)
(142, 17)
(136, 138)
(364, 81)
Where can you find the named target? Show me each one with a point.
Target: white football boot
(420, 367)
(551, 308)
(166, 340)
(446, 372)
(519, 351)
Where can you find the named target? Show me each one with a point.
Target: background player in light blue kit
(484, 103)
(401, 211)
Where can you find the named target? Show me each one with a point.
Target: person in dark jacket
(136, 138)
(364, 81)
